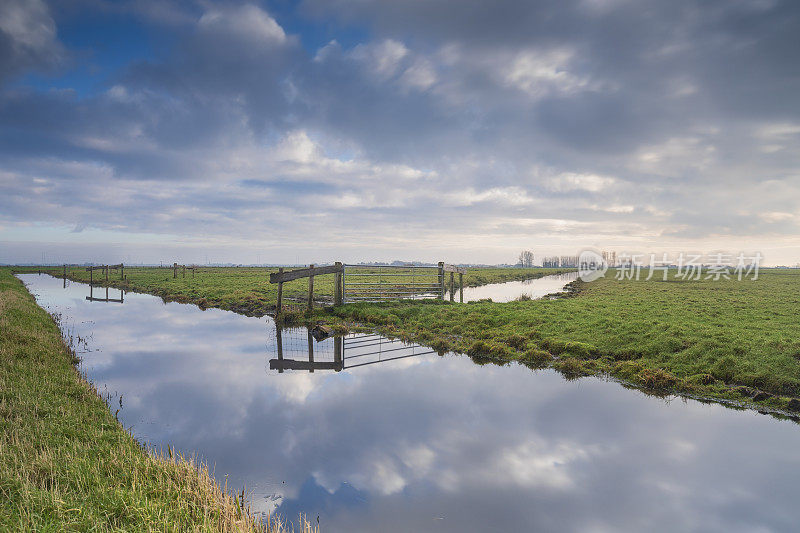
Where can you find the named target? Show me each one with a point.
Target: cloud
(247, 22)
(539, 73)
(572, 181)
(28, 39)
(433, 125)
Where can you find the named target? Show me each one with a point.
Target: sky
(364, 130)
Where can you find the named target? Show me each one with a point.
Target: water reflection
(300, 349)
(428, 443)
(92, 298)
(513, 290)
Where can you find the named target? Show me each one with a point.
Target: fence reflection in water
(297, 349)
(93, 298)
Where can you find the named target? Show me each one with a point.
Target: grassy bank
(66, 464)
(247, 290)
(728, 340)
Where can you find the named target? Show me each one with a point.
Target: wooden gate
(374, 283)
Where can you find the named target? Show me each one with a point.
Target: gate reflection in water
(93, 298)
(297, 349)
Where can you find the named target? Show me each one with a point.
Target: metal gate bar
(390, 282)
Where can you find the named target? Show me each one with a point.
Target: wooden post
(441, 280)
(174, 270)
(106, 273)
(184, 271)
(279, 307)
(91, 277)
(310, 292)
(121, 271)
(461, 287)
(452, 287)
(310, 350)
(65, 271)
(337, 352)
(337, 286)
(279, 340)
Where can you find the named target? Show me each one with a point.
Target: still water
(424, 442)
(512, 290)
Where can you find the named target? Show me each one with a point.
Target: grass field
(66, 464)
(734, 340)
(247, 290)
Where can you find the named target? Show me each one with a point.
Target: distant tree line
(560, 261)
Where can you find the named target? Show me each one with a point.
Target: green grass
(720, 339)
(247, 290)
(66, 464)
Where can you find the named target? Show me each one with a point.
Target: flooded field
(367, 434)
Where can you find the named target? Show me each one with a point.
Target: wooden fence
(105, 268)
(374, 283)
(184, 268)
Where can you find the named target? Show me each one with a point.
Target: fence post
(310, 351)
(279, 308)
(122, 271)
(183, 272)
(441, 280)
(279, 339)
(337, 286)
(461, 287)
(106, 273)
(311, 289)
(65, 271)
(174, 270)
(337, 352)
(452, 287)
(91, 277)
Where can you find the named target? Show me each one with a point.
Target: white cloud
(509, 196)
(420, 75)
(383, 58)
(571, 181)
(29, 25)
(675, 156)
(246, 22)
(541, 72)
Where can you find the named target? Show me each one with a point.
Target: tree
(525, 259)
